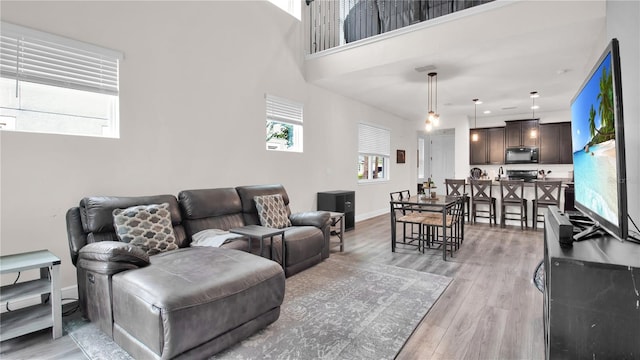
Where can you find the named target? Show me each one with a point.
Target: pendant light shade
(475, 136)
(433, 118)
(534, 94)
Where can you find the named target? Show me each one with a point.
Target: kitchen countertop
(565, 182)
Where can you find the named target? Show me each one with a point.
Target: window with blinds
(374, 148)
(53, 84)
(284, 124)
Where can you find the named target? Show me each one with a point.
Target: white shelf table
(36, 317)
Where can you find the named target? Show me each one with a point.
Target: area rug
(334, 310)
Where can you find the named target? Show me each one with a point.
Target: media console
(591, 297)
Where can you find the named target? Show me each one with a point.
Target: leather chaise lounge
(190, 302)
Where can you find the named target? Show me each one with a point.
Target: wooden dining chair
(453, 227)
(406, 215)
(458, 187)
(547, 193)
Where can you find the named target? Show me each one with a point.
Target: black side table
(343, 201)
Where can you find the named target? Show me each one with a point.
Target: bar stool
(547, 192)
(512, 195)
(481, 194)
(458, 187)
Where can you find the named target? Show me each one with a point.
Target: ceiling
(498, 52)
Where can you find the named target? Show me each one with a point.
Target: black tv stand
(590, 301)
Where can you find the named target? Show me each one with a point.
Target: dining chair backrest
(400, 196)
(481, 190)
(512, 191)
(456, 187)
(458, 209)
(547, 192)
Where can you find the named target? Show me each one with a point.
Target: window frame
(374, 142)
(290, 116)
(45, 66)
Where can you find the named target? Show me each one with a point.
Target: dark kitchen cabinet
(495, 151)
(478, 147)
(521, 133)
(555, 143)
(566, 148)
(339, 201)
(488, 148)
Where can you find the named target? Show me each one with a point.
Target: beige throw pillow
(272, 211)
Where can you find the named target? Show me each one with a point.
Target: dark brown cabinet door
(521, 133)
(488, 148)
(555, 143)
(530, 133)
(512, 134)
(566, 149)
(478, 148)
(495, 138)
(549, 143)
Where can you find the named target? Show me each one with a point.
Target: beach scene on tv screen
(594, 150)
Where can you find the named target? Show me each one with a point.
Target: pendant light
(534, 94)
(433, 118)
(475, 136)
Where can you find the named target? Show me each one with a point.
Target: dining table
(421, 202)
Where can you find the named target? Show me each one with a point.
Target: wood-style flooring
(491, 309)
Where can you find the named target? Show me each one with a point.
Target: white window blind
(34, 56)
(284, 111)
(373, 140)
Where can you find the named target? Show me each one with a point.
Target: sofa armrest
(110, 257)
(319, 219)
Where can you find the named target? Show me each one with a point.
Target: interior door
(442, 160)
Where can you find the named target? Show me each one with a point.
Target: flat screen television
(597, 133)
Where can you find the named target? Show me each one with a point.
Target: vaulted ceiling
(498, 52)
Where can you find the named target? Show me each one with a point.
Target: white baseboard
(68, 294)
(371, 214)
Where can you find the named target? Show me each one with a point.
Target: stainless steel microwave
(521, 155)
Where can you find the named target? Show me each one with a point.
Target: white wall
(623, 23)
(192, 113)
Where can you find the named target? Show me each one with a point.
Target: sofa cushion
(146, 226)
(247, 193)
(190, 296)
(204, 209)
(97, 211)
(303, 242)
(272, 211)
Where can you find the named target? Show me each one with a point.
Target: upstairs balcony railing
(338, 22)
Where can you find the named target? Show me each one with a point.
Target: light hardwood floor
(491, 310)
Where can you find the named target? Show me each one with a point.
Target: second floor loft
(337, 22)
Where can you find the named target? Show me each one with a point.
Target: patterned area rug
(335, 310)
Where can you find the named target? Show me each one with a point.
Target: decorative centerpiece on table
(426, 188)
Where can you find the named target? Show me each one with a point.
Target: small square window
(284, 125)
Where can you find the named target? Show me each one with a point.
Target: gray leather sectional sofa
(191, 302)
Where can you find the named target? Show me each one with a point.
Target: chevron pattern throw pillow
(272, 211)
